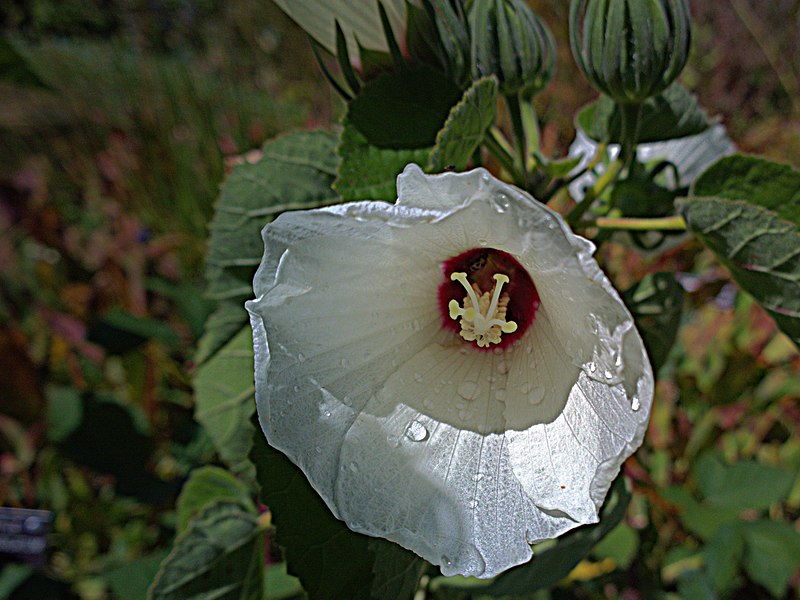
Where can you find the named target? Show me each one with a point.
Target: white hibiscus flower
(452, 372)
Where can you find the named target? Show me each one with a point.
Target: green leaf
(656, 303)
(722, 554)
(693, 584)
(396, 571)
(222, 324)
(15, 69)
(369, 173)
(119, 332)
(674, 113)
(64, 412)
(772, 185)
(761, 250)
(549, 566)
(206, 486)
(330, 560)
(360, 21)
(220, 556)
(744, 485)
(621, 546)
(12, 576)
(225, 400)
(772, 553)
(294, 172)
(278, 584)
(465, 126)
(700, 519)
(131, 580)
(404, 109)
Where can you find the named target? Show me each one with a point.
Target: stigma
(483, 314)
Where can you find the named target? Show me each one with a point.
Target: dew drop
(296, 388)
(635, 403)
(416, 432)
(473, 504)
(393, 441)
(418, 377)
(478, 476)
(482, 242)
(468, 390)
(446, 561)
(536, 394)
(353, 467)
(343, 362)
(318, 449)
(592, 367)
(608, 374)
(326, 414)
(416, 325)
(502, 367)
(301, 357)
(347, 401)
(500, 203)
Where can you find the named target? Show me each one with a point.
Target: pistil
(482, 320)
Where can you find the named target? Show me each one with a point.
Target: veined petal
(465, 455)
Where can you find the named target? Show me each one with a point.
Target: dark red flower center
(487, 298)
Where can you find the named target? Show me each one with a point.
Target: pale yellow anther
(483, 316)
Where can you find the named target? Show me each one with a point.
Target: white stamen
(482, 319)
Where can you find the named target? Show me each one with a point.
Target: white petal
(407, 432)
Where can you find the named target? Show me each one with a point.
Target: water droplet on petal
(592, 367)
(418, 377)
(473, 504)
(446, 561)
(393, 441)
(635, 403)
(536, 394)
(502, 367)
(301, 357)
(468, 390)
(500, 203)
(608, 374)
(482, 242)
(343, 362)
(416, 325)
(326, 413)
(353, 467)
(416, 432)
(478, 476)
(318, 449)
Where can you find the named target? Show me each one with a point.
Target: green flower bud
(509, 40)
(630, 49)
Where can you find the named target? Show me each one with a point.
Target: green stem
(675, 223)
(518, 131)
(631, 119)
(502, 156)
(606, 179)
(530, 127)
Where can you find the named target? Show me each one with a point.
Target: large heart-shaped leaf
(225, 400)
(294, 171)
(674, 113)
(761, 250)
(330, 560)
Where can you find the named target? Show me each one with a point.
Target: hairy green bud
(630, 50)
(509, 40)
